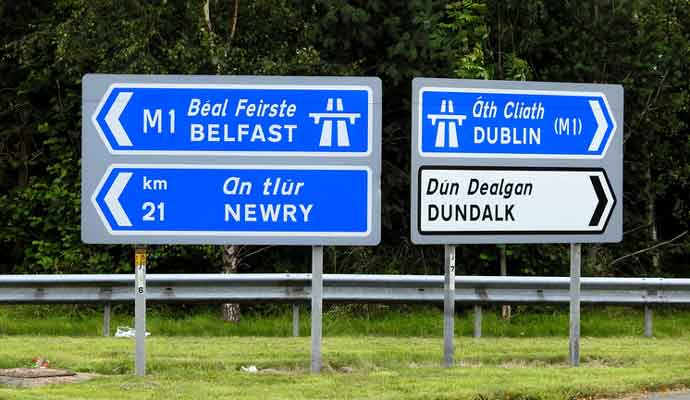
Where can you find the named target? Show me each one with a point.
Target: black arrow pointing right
(603, 201)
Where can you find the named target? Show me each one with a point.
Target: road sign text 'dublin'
(472, 122)
(516, 162)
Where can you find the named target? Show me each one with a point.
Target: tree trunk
(651, 217)
(591, 256)
(230, 311)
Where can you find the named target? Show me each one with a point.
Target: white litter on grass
(127, 332)
(250, 369)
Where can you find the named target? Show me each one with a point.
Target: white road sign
(500, 200)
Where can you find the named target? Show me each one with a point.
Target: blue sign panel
(211, 119)
(235, 200)
(514, 123)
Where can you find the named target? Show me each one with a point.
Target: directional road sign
(491, 122)
(516, 162)
(214, 119)
(236, 160)
(496, 200)
(235, 200)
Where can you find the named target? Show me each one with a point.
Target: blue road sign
(254, 160)
(217, 200)
(484, 122)
(208, 119)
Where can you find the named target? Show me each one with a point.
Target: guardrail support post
(648, 327)
(477, 321)
(316, 306)
(575, 259)
(505, 309)
(140, 310)
(106, 319)
(295, 320)
(449, 306)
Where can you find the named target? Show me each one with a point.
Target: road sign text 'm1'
(516, 162)
(257, 160)
(215, 119)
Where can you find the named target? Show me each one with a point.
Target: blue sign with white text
(497, 122)
(230, 200)
(203, 119)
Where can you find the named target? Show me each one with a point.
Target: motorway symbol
(514, 123)
(235, 200)
(515, 162)
(510, 200)
(340, 117)
(453, 120)
(246, 160)
(202, 119)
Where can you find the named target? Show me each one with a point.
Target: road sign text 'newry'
(238, 160)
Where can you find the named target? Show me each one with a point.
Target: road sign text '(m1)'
(514, 123)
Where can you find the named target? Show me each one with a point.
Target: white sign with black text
(524, 200)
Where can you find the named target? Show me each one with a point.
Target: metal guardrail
(296, 288)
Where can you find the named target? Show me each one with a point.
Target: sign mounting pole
(448, 305)
(316, 306)
(575, 258)
(140, 309)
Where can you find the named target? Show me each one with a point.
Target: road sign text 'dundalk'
(516, 162)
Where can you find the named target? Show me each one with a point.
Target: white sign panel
(471, 200)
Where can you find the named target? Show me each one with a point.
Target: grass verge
(344, 321)
(381, 368)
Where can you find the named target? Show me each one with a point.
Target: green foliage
(345, 320)
(46, 48)
(463, 38)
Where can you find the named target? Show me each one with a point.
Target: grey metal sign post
(517, 162)
(316, 306)
(255, 160)
(449, 306)
(574, 336)
(140, 309)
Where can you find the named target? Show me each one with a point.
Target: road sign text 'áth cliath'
(487, 122)
(516, 162)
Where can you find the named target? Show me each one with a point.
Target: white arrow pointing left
(112, 118)
(112, 199)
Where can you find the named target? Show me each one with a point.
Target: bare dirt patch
(35, 377)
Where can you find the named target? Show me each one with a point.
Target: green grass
(393, 354)
(344, 321)
(383, 367)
